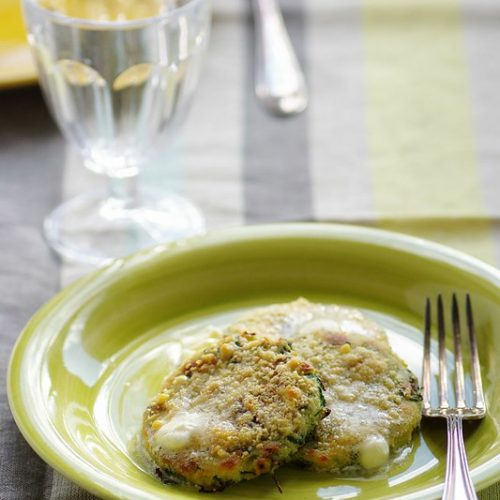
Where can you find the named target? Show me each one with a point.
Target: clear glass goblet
(118, 76)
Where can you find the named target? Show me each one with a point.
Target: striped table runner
(402, 133)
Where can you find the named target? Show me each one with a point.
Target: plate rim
(76, 473)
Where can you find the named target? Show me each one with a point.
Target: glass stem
(124, 191)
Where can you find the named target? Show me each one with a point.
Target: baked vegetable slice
(374, 400)
(235, 411)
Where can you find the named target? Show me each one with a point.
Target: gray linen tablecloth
(402, 132)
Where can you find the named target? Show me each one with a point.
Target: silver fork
(458, 483)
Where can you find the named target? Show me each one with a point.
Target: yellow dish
(16, 64)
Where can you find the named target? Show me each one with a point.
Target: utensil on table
(458, 483)
(280, 83)
(118, 76)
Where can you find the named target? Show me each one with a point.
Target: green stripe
(420, 130)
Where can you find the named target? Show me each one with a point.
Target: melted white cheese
(317, 324)
(373, 452)
(192, 344)
(178, 432)
(349, 327)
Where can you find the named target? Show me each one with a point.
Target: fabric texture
(401, 133)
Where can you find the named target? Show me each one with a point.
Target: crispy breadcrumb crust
(369, 391)
(262, 402)
(368, 388)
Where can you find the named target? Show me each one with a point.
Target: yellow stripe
(421, 141)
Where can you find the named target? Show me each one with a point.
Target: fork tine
(458, 483)
(443, 373)
(459, 367)
(426, 363)
(477, 388)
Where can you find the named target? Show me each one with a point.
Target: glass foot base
(93, 230)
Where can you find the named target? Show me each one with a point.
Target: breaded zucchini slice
(234, 411)
(374, 402)
(301, 316)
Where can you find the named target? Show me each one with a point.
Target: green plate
(87, 363)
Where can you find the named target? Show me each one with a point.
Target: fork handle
(280, 83)
(458, 483)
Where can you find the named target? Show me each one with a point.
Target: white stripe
(482, 39)
(212, 138)
(339, 166)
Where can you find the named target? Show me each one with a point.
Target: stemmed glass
(118, 76)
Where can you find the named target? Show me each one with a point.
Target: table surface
(402, 133)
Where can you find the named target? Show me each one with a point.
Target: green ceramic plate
(87, 363)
